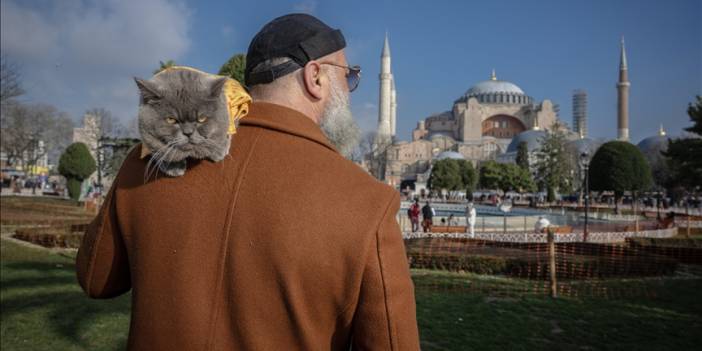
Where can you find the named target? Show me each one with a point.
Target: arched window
(502, 126)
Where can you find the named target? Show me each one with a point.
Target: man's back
(427, 212)
(285, 245)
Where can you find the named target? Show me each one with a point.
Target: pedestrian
(542, 224)
(283, 245)
(427, 214)
(414, 215)
(470, 219)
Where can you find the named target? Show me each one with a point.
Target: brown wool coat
(285, 245)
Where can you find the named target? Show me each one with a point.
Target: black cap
(298, 36)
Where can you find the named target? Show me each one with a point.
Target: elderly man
(284, 245)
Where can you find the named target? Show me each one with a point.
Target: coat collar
(286, 120)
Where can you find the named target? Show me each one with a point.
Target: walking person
(427, 214)
(414, 211)
(470, 219)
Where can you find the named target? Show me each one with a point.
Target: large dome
(494, 86)
(531, 137)
(494, 91)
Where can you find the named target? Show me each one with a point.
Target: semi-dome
(449, 154)
(531, 137)
(497, 92)
(655, 143)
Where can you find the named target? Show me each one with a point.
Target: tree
(684, 156)
(10, 81)
(445, 174)
(553, 166)
(469, 177)
(373, 154)
(29, 132)
(490, 175)
(523, 155)
(76, 164)
(234, 68)
(119, 148)
(505, 177)
(164, 65)
(619, 166)
(100, 127)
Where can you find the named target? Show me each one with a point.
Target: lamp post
(585, 163)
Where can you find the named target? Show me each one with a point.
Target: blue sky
(81, 54)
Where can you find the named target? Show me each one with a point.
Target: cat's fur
(184, 95)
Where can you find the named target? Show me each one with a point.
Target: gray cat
(182, 114)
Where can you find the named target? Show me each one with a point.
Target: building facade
(480, 126)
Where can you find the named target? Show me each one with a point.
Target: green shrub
(76, 164)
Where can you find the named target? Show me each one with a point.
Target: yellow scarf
(238, 101)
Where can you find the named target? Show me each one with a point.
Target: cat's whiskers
(156, 157)
(163, 159)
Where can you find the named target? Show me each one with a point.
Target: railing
(526, 237)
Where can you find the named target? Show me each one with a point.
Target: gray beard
(337, 122)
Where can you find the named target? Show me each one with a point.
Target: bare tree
(60, 136)
(372, 153)
(10, 81)
(102, 131)
(30, 132)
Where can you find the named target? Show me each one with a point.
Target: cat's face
(183, 114)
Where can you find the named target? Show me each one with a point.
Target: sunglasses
(353, 75)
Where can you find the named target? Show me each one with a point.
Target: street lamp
(585, 164)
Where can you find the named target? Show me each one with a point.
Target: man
(209, 274)
(427, 215)
(414, 215)
(470, 219)
(542, 224)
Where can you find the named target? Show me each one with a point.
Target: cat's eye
(202, 119)
(171, 120)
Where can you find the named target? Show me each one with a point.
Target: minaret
(623, 97)
(384, 105)
(393, 109)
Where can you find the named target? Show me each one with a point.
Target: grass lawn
(44, 309)
(460, 320)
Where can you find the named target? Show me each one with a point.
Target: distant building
(479, 127)
(580, 113)
(88, 134)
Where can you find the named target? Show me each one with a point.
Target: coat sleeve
(101, 265)
(385, 317)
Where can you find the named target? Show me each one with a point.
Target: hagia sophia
(487, 122)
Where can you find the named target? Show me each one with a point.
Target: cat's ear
(149, 93)
(217, 87)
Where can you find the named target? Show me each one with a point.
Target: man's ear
(314, 79)
(149, 93)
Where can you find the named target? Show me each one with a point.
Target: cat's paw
(174, 169)
(221, 153)
(220, 156)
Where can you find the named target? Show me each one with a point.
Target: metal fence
(609, 265)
